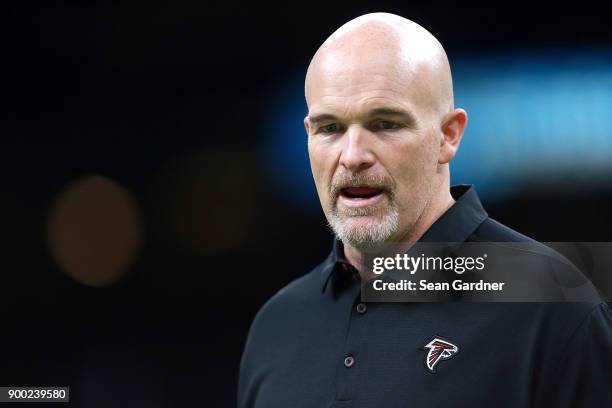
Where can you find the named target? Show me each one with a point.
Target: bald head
(382, 130)
(380, 45)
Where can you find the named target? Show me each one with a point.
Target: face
(373, 142)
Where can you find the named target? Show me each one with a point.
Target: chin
(364, 231)
(355, 224)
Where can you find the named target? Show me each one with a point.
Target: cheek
(411, 159)
(413, 170)
(316, 163)
(320, 165)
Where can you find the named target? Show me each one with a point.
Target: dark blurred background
(156, 189)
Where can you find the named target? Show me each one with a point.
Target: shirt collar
(455, 225)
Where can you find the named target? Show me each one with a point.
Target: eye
(331, 128)
(386, 125)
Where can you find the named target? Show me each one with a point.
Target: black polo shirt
(314, 344)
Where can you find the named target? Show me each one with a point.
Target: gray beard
(367, 237)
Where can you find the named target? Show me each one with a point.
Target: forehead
(354, 82)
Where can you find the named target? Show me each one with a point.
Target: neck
(437, 205)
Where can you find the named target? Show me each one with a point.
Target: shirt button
(361, 308)
(349, 361)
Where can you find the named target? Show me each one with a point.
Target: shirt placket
(349, 367)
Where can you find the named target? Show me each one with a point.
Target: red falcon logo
(439, 349)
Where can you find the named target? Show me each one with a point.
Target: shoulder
(491, 230)
(286, 315)
(299, 291)
(536, 271)
(279, 313)
(281, 318)
(502, 236)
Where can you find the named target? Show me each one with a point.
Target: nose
(356, 153)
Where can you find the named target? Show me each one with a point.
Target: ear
(452, 129)
(307, 125)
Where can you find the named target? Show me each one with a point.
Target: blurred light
(534, 117)
(94, 231)
(204, 201)
(286, 148)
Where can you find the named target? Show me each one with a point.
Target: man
(382, 129)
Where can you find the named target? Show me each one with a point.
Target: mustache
(360, 179)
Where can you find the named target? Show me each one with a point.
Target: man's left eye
(386, 125)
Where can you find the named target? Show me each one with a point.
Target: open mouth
(360, 196)
(360, 192)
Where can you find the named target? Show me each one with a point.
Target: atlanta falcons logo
(439, 349)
